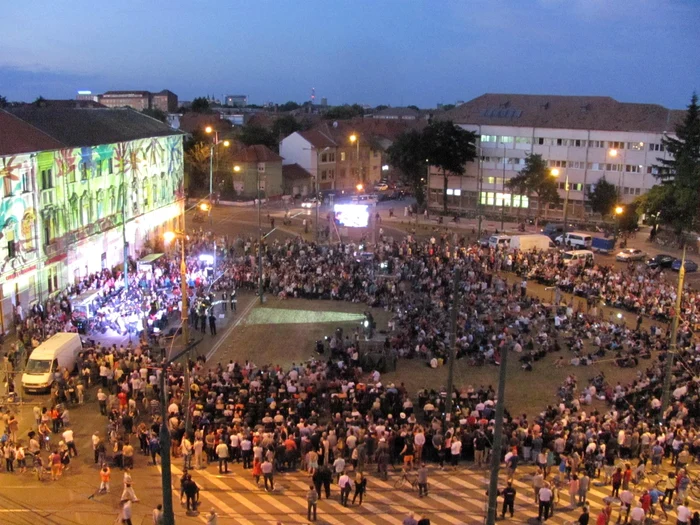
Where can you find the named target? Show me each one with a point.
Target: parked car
(630, 254)
(484, 242)
(310, 203)
(381, 186)
(690, 266)
(662, 260)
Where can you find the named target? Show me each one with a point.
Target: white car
(381, 186)
(310, 203)
(630, 254)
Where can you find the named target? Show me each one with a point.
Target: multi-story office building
(164, 100)
(76, 184)
(585, 138)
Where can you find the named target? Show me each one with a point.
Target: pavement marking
(272, 500)
(228, 331)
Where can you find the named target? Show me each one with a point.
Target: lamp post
(215, 143)
(619, 210)
(555, 173)
(355, 139)
(614, 154)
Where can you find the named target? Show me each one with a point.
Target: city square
(434, 263)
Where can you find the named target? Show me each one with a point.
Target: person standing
(267, 471)
(69, 441)
(311, 503)
(224, 301)
(212, 321)
(345, 484)
(574, 487)
(455, 451)
(360, 487)
(104, 479)
(191, 494)
(508, 500)
(125, 511)
(683, 514)
(583, 484)
(197, 450)
(158, 515)
(584, 517)
(422, 480)
(545, 499)
(222, 454)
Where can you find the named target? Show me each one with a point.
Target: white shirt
(68, 436)
(683, 514)
(545, 494)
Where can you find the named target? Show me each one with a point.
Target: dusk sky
(395, 52)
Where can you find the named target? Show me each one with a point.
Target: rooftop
(49, 128)
(563, 112)
(256, 153)
(294, 172)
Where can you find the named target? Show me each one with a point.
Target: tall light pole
(670, 355)
(355, 139)
(619, 210)
(260, 240)
(503, 187)
(555, 173)
(614, 154)
(215, 143)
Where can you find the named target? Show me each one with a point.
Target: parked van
(579, 257)
(535, 241)
(580, 240)
(365, 199)
(499, 241)
(57, 352)
(553, 229)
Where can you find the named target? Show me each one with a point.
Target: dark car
(662, 260)
(690, 266)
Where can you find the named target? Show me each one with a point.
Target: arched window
(112, 200)
(145, 193)
(163, 187)
(134, 197)
(85, 209)
(154, 190)
(9, 234)
(100, 204)
(28, 229)
(74, 217)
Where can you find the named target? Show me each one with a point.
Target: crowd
(327, 414)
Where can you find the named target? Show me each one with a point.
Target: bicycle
(407, 477)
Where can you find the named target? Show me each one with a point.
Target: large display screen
(352, 215)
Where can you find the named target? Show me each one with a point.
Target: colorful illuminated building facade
(70, 178)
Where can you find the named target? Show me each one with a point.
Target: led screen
(352, 215)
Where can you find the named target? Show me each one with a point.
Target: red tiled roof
(318, 139)
(190, 122)
(17, 136)
(256, 153)
(294, 172)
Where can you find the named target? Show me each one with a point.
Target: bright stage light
(352, 215)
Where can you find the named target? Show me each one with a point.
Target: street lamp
(614, 154)
(555, 173)
(355, 139)
(216, 142)
(619, 210)
(359, 187)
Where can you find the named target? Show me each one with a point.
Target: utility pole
(165, 472)
(670, 355)
(453, 345)
(497, 440)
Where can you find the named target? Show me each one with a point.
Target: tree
(156, 113)
(344, 112)
(197, 165)
(449, 148)
(536, 178)
(381, 107)
(604, 197)
(200, 105)
(3, 102)
(288, 106)
(252, 134)
(415, 108)
(406, 155)
(40, 102)
(285, 126)
(628, 221)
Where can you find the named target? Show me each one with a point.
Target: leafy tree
(416, 108)
(449, 148)
(381, 107)
(200, 105)
(288, 106)
(344, 112)
(682, 171)
(406, 155)
(536, 178)
(285, 126)
(629, 218)
(3, 102)
(197, 165)
(156, 113)
(40, 102)
(604, 197)
(252, 134)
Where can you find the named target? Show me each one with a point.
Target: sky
(395, 52)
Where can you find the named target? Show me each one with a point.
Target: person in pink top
(573, 489)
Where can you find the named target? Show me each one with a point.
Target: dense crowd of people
(328, 413)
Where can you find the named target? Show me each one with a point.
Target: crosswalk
(455, 498)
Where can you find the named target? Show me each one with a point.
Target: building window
(71, 174)
(112, 201)
(10, 236)
(613, 167)
(577, 143)
(7, 186)
(616, 145)
(110, 166)
(453, 192)
(562, 142)
(523, 140)
(83, 171)
(540, 141)
(144, 190)
(73, 204)
(52, 279)
(506, 140)
(85, 209)
(46, 179)
(577, 165)
(596, 143)
(100, 204)
(323, 175)
(633, 168)
(489, 138)
(98, 170)
(556, 163)
(324, 157)
(26, 182)
(636, 146)
(28, 230)
(331, 157)
(656, 147)
(652, 170)
(342, 171)
(342, 156)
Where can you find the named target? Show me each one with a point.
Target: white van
(364, 199)
(579, 240)
(580, 257)
(499, 241)
(57, 352)
(526, 243)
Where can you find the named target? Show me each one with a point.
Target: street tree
(406, 155)
(536, 178)
(288, 106)
(449, 148)
(252, 134)
(603, 197)
(285, 126)
(3, 102)
(200, 105)
(197, 164)
(681, 171)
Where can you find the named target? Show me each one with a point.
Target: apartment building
(585, 138)
(164, 100)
